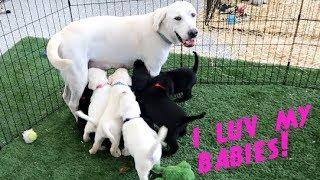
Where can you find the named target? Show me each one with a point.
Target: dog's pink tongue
(189, 42)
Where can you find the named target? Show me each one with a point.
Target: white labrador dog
(98, 82)
(110, 123)
(142, 142)
(109, 41)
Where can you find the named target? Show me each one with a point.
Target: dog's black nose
(193, 33)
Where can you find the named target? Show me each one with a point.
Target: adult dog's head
(177, 22)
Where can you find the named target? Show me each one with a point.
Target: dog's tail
(162, 133)
(196, 62)
(53, 53)
(109, 134)
(195, 117)
(86, 117)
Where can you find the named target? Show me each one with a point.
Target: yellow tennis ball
(29, 136)
(32, 135)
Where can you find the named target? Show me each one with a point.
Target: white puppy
(110, 123)
(109, 41)
(142, 142)
(98, 82)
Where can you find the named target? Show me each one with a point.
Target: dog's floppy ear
(158, 17)
(91, 86)
(170, 86)
(129, 80)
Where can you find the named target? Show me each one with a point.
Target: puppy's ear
(170, 86)
(158, 17)
(129, 80)
(91, 86)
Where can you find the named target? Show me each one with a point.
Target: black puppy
(157, 108)
(183, 79)
(84, 103)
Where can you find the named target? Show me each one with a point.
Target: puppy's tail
(53, 53)
(196, 62)
(162, 133)
(109, 134)
(195, 117)
(86, 117)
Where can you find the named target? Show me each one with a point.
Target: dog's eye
(193, 14)
(178, 18)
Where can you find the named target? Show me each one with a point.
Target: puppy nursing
(110, 124)
(183, 78)
(98, 82)
(140, 141)
(158, 109)
(114, 110)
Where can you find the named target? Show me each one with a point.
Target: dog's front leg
(154, 69)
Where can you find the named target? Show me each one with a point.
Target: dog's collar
(128, 119)
(101, 85)
(164, 37)
(119, 83)
(158, 85)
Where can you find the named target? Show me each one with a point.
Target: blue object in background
(232, 19)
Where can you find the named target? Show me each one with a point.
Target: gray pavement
(43, 18)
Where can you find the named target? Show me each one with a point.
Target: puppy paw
(91, 151)
(115, 152)
(86, 138)
(125, 152)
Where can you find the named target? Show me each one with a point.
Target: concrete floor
(44, 18)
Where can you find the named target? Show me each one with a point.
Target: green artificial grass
(30, 87)
(59, 153)
(31, 96)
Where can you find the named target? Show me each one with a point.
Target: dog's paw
(86, 138)
(115, 152)
(125, 152)
(91, 151)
